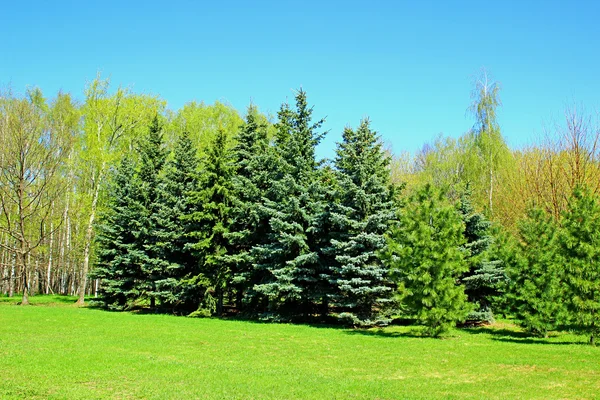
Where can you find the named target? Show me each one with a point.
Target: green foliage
(202, 122)
(359, 220)
(534, 268)
(580, 246)
(485, 274)
(426, 261)
(172, 230)
(289, 258)
(256, 164)
(120, 254)
(486, 139)
(153, 155)
(211, 218)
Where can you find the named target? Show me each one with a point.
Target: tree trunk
(11, 281)
(21, 258)
(88, 239)
(49, 269)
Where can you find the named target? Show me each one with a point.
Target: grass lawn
(55, 350)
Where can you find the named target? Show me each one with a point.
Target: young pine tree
(289, 258)
(535, 276)
(580, 246)
(485, 274)
(118, 240)
(361, 218)
(210, 222)
(425, 259)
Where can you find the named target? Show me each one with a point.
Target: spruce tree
(255, 164)
(426, 261)
(485, 273)
(361, 218)
(209, 223)
(535, 286)
(153, 155)
(118, 235)
(289, 258)
(580, 247)
(171, 230)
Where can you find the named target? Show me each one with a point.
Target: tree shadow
(382, 333)
(512, 336)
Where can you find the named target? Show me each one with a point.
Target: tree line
(201, 212)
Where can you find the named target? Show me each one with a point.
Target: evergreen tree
(210, 222)
(534, 271)
(580, 246)
(171, 231)
(118, 240)
(255, 164)
(485, 274)
(153, 155)
(361, 218)
(425, 258)
(289, 258)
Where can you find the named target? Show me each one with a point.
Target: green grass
(55, 350)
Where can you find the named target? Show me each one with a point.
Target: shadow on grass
(513, 336)
(39, 300)
(390, 334)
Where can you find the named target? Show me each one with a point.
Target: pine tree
(534, 271)
(171, 230)
(425, 259)
(210, 222)
(289, 259)
(153, 155)
(485, 273)
(362, 217)
(580, 247)
(118, 240)
(255, 164)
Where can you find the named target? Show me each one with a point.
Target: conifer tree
(118, 240)
(255, 164)
(171, 231)
(210, 221)
(535, 275)
(425, 259)
(361, 218)
(153, 155)
(485, 274)
(289, 259)
(580, 247)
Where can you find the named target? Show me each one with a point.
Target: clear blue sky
(409, 66)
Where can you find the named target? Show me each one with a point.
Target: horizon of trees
(203, 210)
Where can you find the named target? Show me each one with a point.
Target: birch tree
(31, 154)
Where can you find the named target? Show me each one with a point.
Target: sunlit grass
(61, 351)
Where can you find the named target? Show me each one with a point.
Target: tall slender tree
(289, 259)
(211, 219)
(171, 229)
(119, 233)
(489, 145)
(255, 164)
(362, 217)
(153, 155)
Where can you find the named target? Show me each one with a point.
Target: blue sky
(409, 66)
